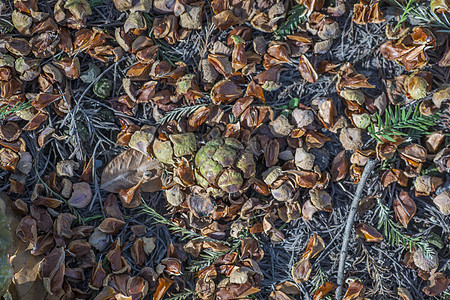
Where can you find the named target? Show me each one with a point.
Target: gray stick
(348, 227)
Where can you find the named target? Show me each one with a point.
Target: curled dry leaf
(52, 271)
(425, 184)
(127, 169)
(314, 247)
(409, 51)
(323, 290)
(404, 294)
(280, 127)
(111, 225)
(301, 270)
(369, 233)
(367, 12)
(225, 92)
(10, 131)
(163, 286)
(321, 200)
(354, 291)
(339, 167)
(81, 195)
(437, 283)
(404, 208)
(307, 70)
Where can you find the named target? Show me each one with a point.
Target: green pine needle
(397, 119)
(182, 296)
(423, 14)
(296, 15)
(395, 237)
(5, 110)
(6, 26)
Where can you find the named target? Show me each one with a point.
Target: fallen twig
(350, 219)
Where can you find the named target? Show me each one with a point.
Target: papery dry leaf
(404, 208)
(433, 141)
(369, 233)
(99, 240)
(198, 117)
(201, 205)
(351, 138)
(308, 210)
(81, 195)
(426, 263)
(443, 202)
(25, 266)
(321, 200)
(225, 19)
(280, 127)
(409, 51)
(425, 184)
(442, 160)
(141, 141)
(70, 67)
(137, 252)
(323, 290)
(127, 169)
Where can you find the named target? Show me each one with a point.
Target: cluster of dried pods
(232, 168)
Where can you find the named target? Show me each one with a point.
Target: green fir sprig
(205, 259)
(185, 233)
(296, 15)
(395, 237)
(208, 257)
(178, 113)
(407, 9)
(397, 119)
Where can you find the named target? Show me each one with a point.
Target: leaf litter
(208, 150)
